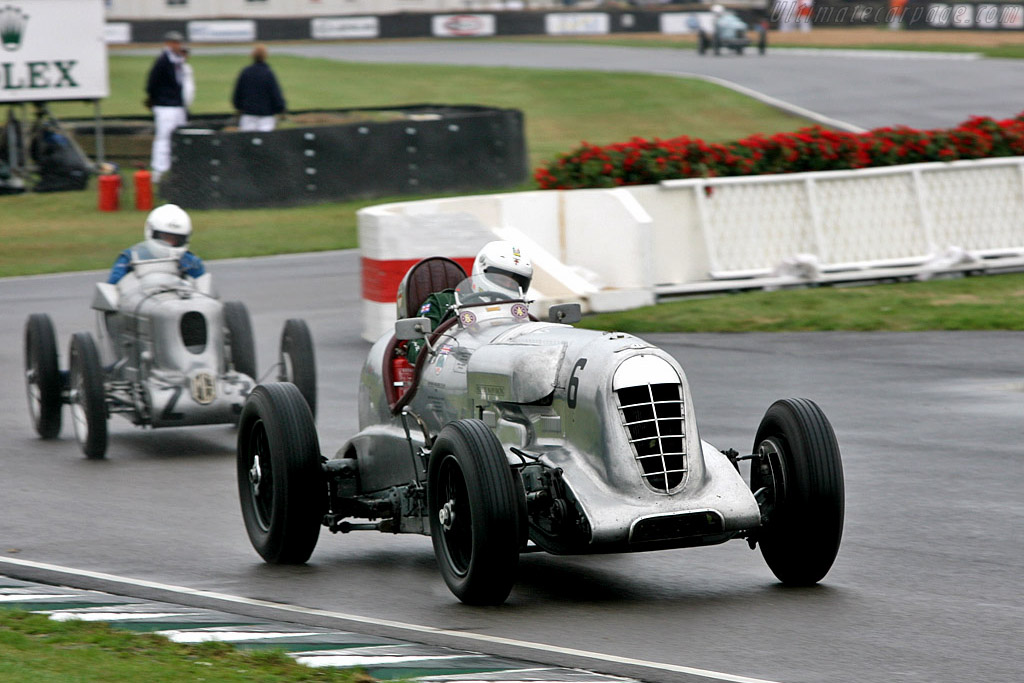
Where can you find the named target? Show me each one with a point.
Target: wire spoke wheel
(42, 376)
(298, 360)
(87, 396)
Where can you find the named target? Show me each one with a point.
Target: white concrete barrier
(620, 248)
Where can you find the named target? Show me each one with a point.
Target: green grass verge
(37, 649)
(993, 302)
(58, 232)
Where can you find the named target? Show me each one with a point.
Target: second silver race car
(169, 354)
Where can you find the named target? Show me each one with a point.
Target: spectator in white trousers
(257, 96)
(164, 95)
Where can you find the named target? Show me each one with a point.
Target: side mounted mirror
(407, 329)
(565, 313)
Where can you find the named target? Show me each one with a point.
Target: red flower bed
(641, 162)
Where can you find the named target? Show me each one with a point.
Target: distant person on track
(257, 96)
(165, 96)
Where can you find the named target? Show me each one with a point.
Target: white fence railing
(910, 216)
(623, 247)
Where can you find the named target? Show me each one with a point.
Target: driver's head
(504, 258)
(168, 229)
(717, 9)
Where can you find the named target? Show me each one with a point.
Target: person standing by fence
(257, 95)
(165, 97)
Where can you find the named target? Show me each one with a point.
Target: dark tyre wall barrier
(425, 149)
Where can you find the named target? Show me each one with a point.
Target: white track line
(769, 100)
(414, 628)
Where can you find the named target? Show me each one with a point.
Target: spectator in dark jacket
(257, 94)
(164, 97)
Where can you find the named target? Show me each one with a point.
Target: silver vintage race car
(170, 354)
(515, 435)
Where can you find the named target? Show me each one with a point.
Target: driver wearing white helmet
(500, 267)
(168, 229)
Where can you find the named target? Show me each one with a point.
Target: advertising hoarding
(46, 56)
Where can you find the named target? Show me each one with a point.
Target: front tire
(798, 478)
(298, 360)
(280, 481)
(240, 339)
(88, 397)
(702, 42)
(474, 513)
(42, 376)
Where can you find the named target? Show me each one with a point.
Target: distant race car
(513, 435)
(170, 354)
(726, 30)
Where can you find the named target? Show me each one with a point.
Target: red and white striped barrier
(391, 242)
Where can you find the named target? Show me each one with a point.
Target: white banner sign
(341, 28)
(45, 56)
(227, 31)
(119, 32)
(462, 25)
(1012, 16)
(686, 22)
(576, 23)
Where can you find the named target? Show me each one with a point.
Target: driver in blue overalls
(167, 231)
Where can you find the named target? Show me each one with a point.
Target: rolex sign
(52, 50)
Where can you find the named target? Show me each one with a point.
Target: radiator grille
(653, 417)
(193, 331)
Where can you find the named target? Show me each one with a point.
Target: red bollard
(143, 190)
(110, 189)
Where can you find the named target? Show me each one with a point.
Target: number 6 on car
(517, 435)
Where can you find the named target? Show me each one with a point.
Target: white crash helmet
(168, 229)
(502, 258)
(717, 9)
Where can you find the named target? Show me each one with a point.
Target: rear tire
(298, 360)
(281, 485)
(702, 43)
(800, 474)
(474, 513)
(240, 339)
(87, 396)
(42, 376)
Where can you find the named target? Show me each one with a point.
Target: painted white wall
(615, 249)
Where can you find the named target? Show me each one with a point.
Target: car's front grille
(653, 417)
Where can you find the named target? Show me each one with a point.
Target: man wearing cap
(165, 97)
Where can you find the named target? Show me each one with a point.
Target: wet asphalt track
(926, 586)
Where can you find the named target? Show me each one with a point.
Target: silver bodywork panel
(163, 344)
(612, 412)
